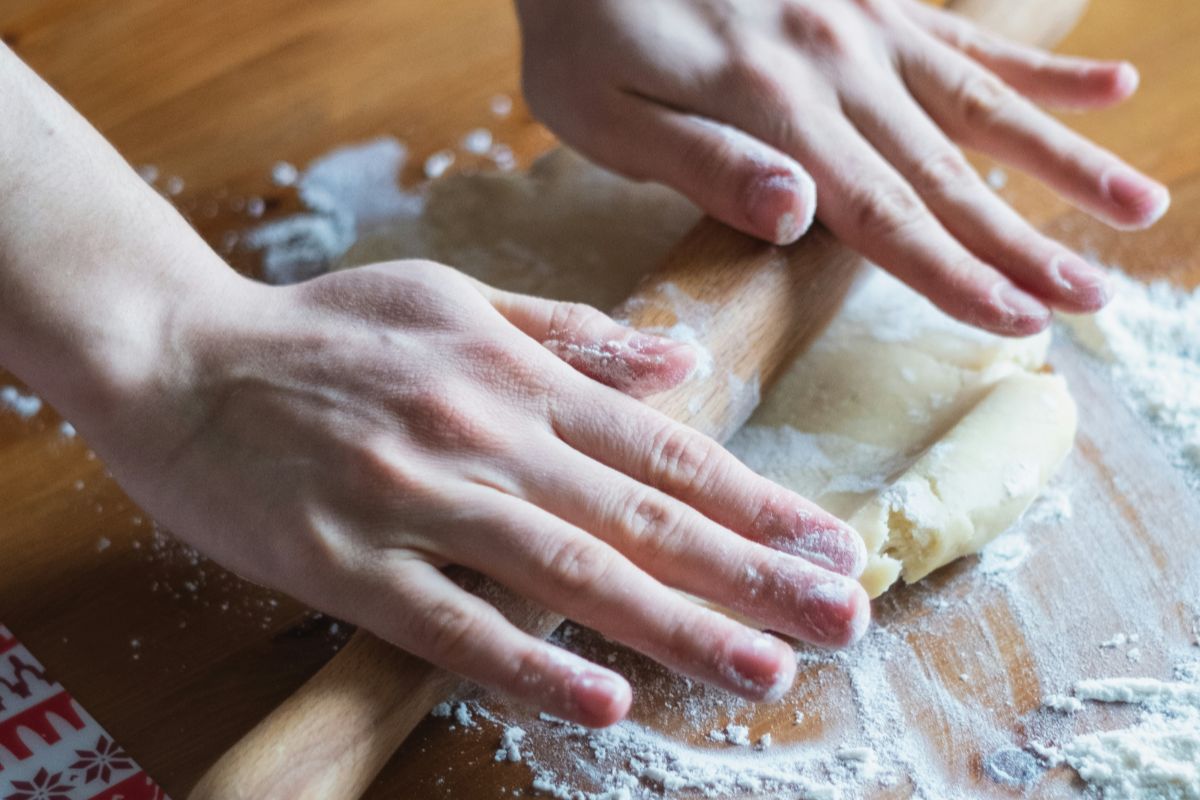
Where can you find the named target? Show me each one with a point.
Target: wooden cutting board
(177, 659)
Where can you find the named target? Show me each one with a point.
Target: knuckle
(438, 419)
(653, 523)
(945, 172)
(875, 9)
(712, 163)
(884, 209)
(960, 276)
(578, 567)
(531, 671)
(448, 630)
(688, 634)
(683, 457)
(570, 321)
(815, 28)
(379, 464)
(980, 98)
(750, 77)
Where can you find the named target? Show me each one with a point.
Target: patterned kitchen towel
(50, 748)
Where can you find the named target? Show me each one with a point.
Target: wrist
(129, 363)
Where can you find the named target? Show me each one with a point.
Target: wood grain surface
(178, 658)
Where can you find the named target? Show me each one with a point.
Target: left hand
(764, 111)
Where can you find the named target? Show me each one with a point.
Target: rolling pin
(753, 306)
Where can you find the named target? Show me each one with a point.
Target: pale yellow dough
(929, 437)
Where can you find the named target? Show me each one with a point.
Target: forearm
(94, 265)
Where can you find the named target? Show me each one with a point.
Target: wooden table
(176, 657)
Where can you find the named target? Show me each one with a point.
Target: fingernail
(657, 364)
(600, 695)
(837, 611)
(1018, 304)
(1147, 199)
(781, 206)
(1088, 283)
(764, 666)
(646, 344)
(839, 550)
(1127, 79)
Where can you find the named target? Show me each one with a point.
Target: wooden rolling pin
(753, 306)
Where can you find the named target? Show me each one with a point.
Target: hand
(346, 439)
(764, 111)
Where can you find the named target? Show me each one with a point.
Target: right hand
(347, 439)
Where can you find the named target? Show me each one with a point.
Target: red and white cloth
(50, 748)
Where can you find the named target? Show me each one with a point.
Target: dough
(929, 437)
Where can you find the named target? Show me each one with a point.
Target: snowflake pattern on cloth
(50, 748)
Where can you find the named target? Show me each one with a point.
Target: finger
(566, 569)
(978, 110)
(1046, 78)
(873, 209)
(730, 174)
(968, 209)
(635, 363)
(654, 450)
(422, 611)
(687, 551)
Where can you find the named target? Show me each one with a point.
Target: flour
(25, 405)
(284, 173)
(1156, 759)
(501, 105)
(510, 744)
(1150, 336)
(477, 142)
(437, 164)
(1005, 553)
(736, 735)
(345, 192)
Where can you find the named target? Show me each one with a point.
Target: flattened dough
(928, 436)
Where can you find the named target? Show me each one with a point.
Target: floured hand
(766, 112)
(346, 439)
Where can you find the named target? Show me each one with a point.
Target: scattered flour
(510, 744)
(25, 405)
(477, 142)
(1158, 758)
(1063, 703)
(501, 105)
(737, 735)
(1150, 335)
(1005, 553)
(437, 164)
(284, 174)
(347, 191)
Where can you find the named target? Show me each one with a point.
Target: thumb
(635, 363)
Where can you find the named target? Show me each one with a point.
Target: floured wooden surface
(946, 693)
(216, 660)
